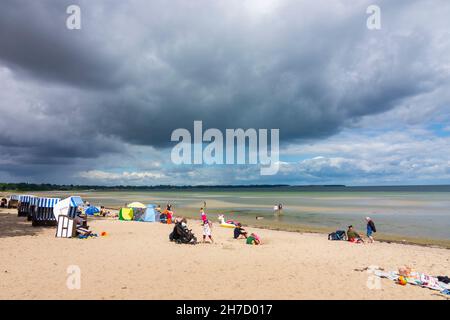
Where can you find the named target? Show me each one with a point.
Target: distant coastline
(22, 187)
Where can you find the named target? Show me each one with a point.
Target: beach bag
(338, 235)
(372, 226)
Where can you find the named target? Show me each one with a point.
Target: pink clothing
(204, 217)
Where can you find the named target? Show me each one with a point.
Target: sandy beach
(137, 261)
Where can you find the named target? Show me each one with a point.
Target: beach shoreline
(299, 228)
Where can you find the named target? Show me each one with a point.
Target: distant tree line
(31, 187)
(57, 187)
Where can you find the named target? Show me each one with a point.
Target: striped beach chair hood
(25, 198)
(67, 207)
(47, 202)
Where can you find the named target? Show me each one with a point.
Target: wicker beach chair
(13, 201)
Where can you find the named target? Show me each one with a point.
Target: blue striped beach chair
(32, 207)
(43, 213)
(24, 205)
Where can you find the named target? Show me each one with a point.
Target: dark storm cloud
(137, 70)
(34, 40)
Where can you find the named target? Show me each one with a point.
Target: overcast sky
(98, 105)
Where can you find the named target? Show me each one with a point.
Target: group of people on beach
(238, 232)
(354, 236)
(185, 234)
(167, 216)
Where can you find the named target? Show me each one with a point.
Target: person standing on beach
(278, 208)
(169, 213)
(370, 229)
(207, 231)
(203, 215)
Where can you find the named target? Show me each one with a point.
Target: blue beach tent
(149, 215)
(91, 210)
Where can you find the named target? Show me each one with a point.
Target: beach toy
(104, 234)
(402, 280)
(404, 271)
(226, 224)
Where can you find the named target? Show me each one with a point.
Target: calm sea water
(408, 211)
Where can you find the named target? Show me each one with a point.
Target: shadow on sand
(13, 226)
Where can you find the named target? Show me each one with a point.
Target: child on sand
(203, 215)
(168, 213)
(207, 231)
(169, 216)
(239, 231)
(253, 239)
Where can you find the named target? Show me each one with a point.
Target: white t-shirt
(206, 229)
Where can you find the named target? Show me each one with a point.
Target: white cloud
(126, 176)
(414, 156)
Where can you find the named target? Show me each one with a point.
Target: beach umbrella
(137, 205)
(91, 210)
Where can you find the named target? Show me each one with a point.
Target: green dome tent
(126, 214)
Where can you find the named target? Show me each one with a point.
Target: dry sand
(136, 261)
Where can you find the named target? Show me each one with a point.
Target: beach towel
(431, 282)
(388, 275)
(418, 279)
